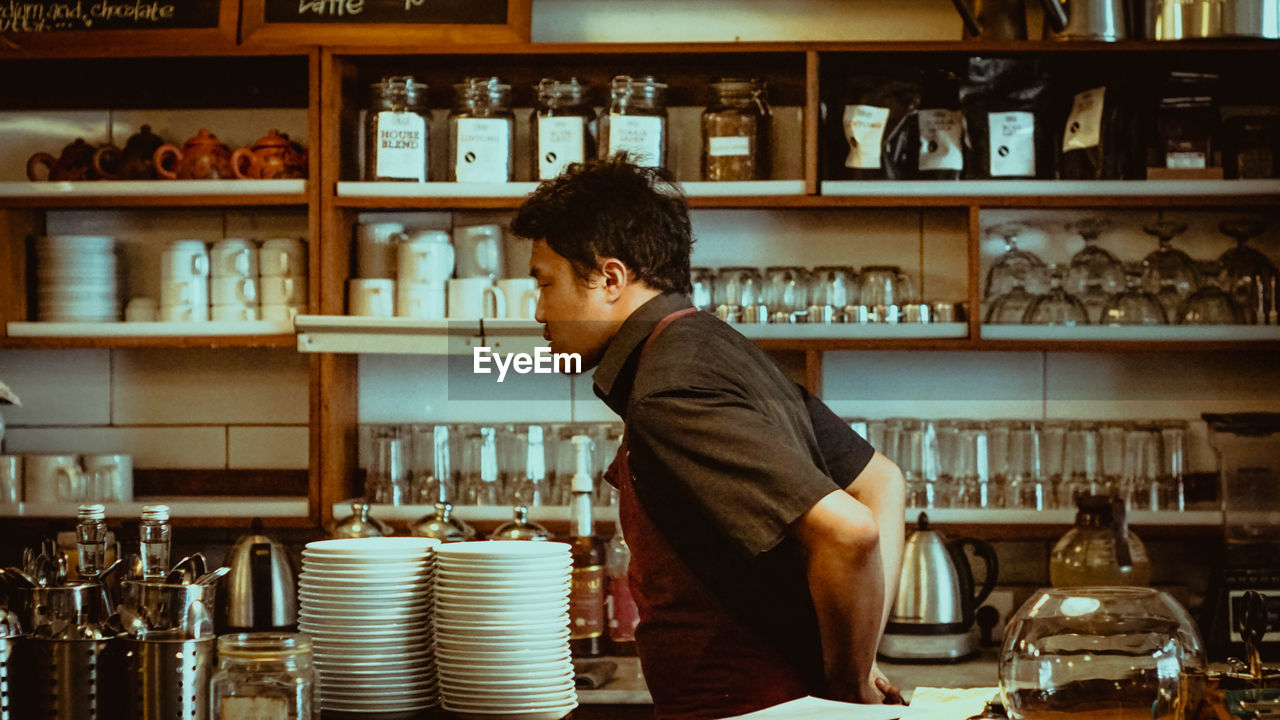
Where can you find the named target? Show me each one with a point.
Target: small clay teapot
(203, 157)
(135, 162)
(75, 163)
(273, 157)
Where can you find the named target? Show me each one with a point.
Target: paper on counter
(812, 708)
(951, 703)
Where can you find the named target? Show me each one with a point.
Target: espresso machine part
(933, 613)
(260, 591)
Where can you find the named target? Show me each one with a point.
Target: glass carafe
(1095, 274)
(1014, 267)
(1168, 273)
(1100, 549)
(1134, 306)
(1249, 275)
(787, 294)
(1057, 306)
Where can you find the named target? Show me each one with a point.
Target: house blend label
(402, 146)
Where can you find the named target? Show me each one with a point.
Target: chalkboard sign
(37, 16)
(437, 12)
(383, 22)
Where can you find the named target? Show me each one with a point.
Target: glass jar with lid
(481, 132)
(735, 131)
(264, 675)
(562, 127)
(636, 122)
(397, 131)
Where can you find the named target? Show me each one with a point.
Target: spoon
(132, 622)
(212, 576)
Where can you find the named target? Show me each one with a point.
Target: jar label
(728, 146)
(941, 133)
(864, 129)
(402, 146)
(1013, 144)
(254, 708)
(586, 602)
(1084, 125)
(637, 135)
(484, 150)
(1185, 160)
(560, 142)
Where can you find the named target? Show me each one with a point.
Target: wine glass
(1250, 274)
(1014, 267)
(1134, 306)
(1009, 308)
(1169, 273)
(1056, 307)
(1094, 274)
(1210, 304)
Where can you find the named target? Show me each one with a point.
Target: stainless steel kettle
(1004, 20)
(1190, 19)
(260, 592)
(1085, 20)
(932, 617)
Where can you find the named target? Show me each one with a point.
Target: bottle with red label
(587, 632)
(620, 607)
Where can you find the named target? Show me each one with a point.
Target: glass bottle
(561, 127)
(91, 540)
(620, 606)
(735, 131)
(397, 131)
(1100, 549)
(264, 675)
(636, 122)
(155, 535)
(586, 593)
(481, 132)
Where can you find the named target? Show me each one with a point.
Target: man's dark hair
(611, 208)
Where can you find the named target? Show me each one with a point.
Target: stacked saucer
(366, 603)
(76, 279)
(502, 630)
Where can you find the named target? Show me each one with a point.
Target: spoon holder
(7, 685)
(66, 679)
(167, 679)
(70, 612)
(172, 611)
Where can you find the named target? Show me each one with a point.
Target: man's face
(575, 313)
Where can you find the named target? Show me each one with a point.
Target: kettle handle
(991, 566)
(1054, 14)
(971, 25)
(260, 572)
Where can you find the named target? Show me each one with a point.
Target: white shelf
(179, 506)
(435, 189)
(158, 188)
(761, 188)
(1024, 188)
(847, 331)
(474, 513)
(1120, 333)
(148, 329)
(394, 336)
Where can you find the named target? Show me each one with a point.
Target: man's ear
(615, 276)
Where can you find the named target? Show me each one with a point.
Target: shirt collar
(633, 333)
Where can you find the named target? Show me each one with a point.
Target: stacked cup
(184, 282)
(474, 293)
(282, 263)
(234, 283)
(372, 292)
(424, 265)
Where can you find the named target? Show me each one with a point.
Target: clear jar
(397, 131)
(636, 122)
(264, 675)
(561, 127)
(735, 131)
(481, 132)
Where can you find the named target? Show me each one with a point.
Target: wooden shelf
(57, 335)
(154, 193)
(181, 508)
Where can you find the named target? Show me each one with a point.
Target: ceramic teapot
(75, 163)
(273, 157)
(203, 157)
(135, 162)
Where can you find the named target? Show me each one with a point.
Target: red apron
(698, 661)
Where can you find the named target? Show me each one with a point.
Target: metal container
(7, 686)
(65, 679)
(166, 679)
(1185, 19)
(71, 612)
(169, 611)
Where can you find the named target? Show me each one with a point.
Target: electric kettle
(932, 617)
(260, 592)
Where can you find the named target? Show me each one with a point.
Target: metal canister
(167, 678)
(65, 679)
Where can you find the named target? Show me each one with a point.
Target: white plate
(518, 550)
(404, 662)
(380, 547)
(511, 711)
(501, 684)
(449, 669)
(492, 630)
(513, 569)
(499, 599)
(475, 584)
(518, 695)
(550, 615)
(514, 659)
(366, 588)
(328, 632)
(309, 566)
(449, 644)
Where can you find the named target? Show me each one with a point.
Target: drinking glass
(787, 294)
(704, 286)
(832, 289)
(1169, 273)
(1111, 438)
(1210, 304)
(479, 482)
(885, 286)
(432, 465)
(1052, 459)
(1142, 467)
(1134, 306)
(736, 288)
(972, 483)
(1094, 274)
(1027, 485)
(919, 462)
(947, 433)
(1010, 308)
(1057, 306)
(998, 458)
(1173, 465)
(1081, 463)
(1014, 267)
(1250, 276)
(387, 479)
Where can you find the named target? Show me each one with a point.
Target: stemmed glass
(1169, 273)
(1210, 304)
(1015, 267)
(1094, 274)
(1134, 306)
(1056, 307)
(1251, 275)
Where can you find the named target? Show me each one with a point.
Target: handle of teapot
(35, 161)
(239, 158)
(106, 161)
(161, 154)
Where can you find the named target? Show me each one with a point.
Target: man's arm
(882, 489)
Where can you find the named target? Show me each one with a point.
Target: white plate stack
(367, 603)
(502, 630)
(76, 279)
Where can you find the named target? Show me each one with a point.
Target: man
(764, 531)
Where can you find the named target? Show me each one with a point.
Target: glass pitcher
(1099, 550)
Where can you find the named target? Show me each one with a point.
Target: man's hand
(889, 693)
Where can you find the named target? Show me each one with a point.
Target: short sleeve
(744, 474)
(845, 451)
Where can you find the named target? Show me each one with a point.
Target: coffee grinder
(1248, 448)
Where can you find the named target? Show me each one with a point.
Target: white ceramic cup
(277, 290)
(471, 298)
(193, 292)
(235, 313)
(235, 290)
(184, 259)
(371, 297)
(479, 250)
(425, 259)
(112, 479)
(184, 313)
(376, 245)
(234, 257)
(281, 313)
(47, 477)
(142, 309)
(425, 301)
(522, 297)
(280, 257)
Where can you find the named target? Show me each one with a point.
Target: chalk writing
(61, 15)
